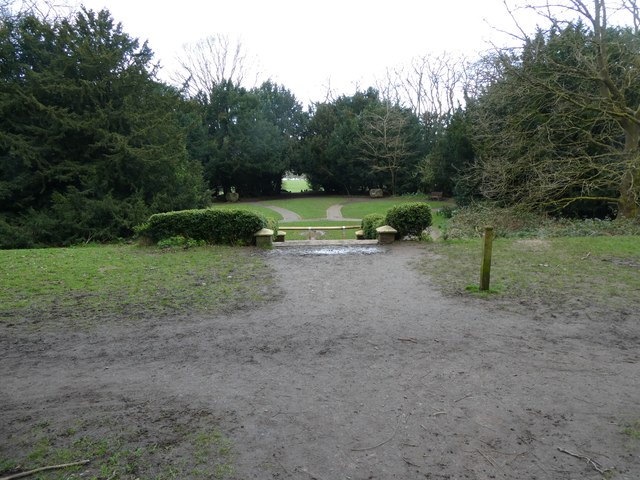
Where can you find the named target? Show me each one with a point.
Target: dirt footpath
(359, 370)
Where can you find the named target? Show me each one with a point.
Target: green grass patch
(596, 270)
(267, 212)
(91, 282)
(309, 207)
(296, 185)
(205, 454)
(633, 431)
(349, 234)
(360, 209)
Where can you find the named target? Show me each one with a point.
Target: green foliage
(447, 211)
(549, 128)
(469, 222)
(370, 223)
(272, 224)
(180, 242)
(450, 151)
(90, 143)
(331, 153)
(246, 139)
(214, 226)
(409, 218)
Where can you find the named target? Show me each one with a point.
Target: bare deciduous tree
(385, 140)
(44, 9)
(211, 61)
(571, 113)
(430, 84)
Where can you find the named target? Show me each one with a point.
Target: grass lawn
(599, 269)
(328, 234)
(296, 185)
(360, 209)
(267, 212)
(103, 281)
(309, 207)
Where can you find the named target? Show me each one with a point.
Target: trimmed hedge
(370, 223)
(211, 225)
(409, 218)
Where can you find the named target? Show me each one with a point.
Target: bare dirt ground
(359, 369)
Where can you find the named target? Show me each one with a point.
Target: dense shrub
(447, 211)
(370, 223)
(211, 225)
(272, 224)
(180, 242)
(409, 218)
(470, 221)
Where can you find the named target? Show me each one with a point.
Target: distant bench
(435, 196)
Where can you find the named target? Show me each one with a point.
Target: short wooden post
(485, 269)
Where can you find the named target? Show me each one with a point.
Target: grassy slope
(295, 186)
(599, 270)
(360, 209)
(98, 281)
(252, 208)
(309, 207)
(329, 234)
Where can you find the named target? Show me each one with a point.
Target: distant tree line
(92, 143)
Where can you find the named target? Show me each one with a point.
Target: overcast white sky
(306, 45)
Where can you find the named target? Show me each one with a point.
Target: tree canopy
(558, 122)
(90, 143)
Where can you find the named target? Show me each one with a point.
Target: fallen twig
(488, 459)
(466, 396)
(381, 443)
(44, 469)
(412, 340)
(409, 462)
(590, 461)
(435, 414)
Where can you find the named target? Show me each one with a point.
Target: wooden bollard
(485, 269)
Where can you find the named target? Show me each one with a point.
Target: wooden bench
(435, 196)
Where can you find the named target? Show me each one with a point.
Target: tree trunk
(630, 184)
(393, 183)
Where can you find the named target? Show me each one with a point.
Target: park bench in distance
(435, 196)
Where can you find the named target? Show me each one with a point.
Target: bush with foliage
(211, 225)
(469, 222)
(90, 143)
(447, 211)
(370, 223)
(409, 218)
(180, 242)
(272, 224)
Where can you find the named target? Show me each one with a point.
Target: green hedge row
(370, 223)
(234, 227)
(407, 218)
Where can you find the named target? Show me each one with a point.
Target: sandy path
(360, 370)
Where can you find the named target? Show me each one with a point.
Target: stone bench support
(386, 234)
(264, 238)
